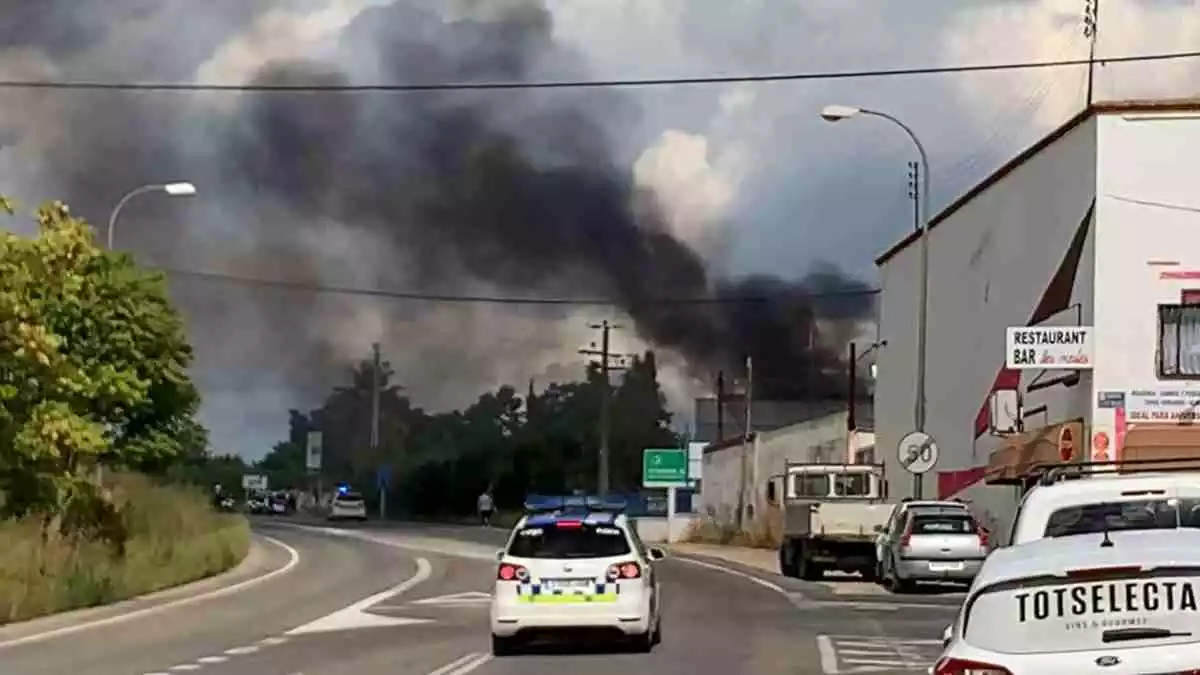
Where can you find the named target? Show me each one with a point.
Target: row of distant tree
(438, 463)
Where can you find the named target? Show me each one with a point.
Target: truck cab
(830, 517)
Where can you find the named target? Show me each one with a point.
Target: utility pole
(747, 437)
(376, 367)
(606, 367)
(1091, 30)
(720, 405)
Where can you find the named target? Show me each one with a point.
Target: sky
(747, 175)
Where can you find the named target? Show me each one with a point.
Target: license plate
(566, 584)
(945, 567)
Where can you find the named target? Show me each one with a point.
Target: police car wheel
(504, 646)
(643, 643)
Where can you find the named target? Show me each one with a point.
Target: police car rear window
(1062, 614)
(585, 541)
(1142, 514)
(349, 497)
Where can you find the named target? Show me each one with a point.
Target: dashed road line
(224, 656)
(463, 664)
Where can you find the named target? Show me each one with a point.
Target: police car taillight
(953, 666)
(629, 570)
(508, 572)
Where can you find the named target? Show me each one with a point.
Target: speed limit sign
(917, 452)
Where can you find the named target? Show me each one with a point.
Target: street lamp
(180, 189)
(837, 113)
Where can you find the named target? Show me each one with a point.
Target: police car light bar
(582, 503)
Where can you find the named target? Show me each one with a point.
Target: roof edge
(1096, 109)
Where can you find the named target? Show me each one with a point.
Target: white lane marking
(293, 560)
(847, 654)
(354, 616)
(242, 651)
(829, 662)
(272, 641)
(468, 598)
(212, 659)
(443, 546)
(463, 664)
(185, 667)
(792, 595)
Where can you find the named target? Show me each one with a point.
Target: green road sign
(664, 468)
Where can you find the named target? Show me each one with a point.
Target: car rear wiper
(1125, 634)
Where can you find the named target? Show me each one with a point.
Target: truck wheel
(809, 571)
(787, 561)
(869, 574)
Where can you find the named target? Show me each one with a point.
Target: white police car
(575, 564)
(1118, 603)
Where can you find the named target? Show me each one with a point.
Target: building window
(1179, 340)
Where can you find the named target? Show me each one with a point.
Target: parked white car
(1119, 603)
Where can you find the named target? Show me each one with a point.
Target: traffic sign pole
(917, 453)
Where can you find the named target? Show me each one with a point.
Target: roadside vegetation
(97, 413)
(764, 530)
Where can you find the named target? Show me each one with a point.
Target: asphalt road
(413, 601)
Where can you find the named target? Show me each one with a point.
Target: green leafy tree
(93, 366)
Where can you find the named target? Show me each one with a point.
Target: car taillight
(508, 572)
(983, 536)
(906, 536)
(953, 666)
(629, 570)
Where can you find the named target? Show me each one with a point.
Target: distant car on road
(575, 563)
(934, 544)
(347, 506)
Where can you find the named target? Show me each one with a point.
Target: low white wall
(654, 530)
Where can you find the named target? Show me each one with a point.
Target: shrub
(764, 530)
(173, 536)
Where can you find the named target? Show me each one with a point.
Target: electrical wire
(79, 85)
(312, 287)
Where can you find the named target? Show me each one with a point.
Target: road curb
(254, 568)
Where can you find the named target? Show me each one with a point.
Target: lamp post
(837, 113)
(170, 189)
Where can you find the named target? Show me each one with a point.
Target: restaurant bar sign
(1060, 347)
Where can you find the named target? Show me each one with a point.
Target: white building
(1096, 225)
(749, 474)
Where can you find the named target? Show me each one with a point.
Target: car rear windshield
(1115, 611)
(1142, 514)
(349, 497)
(584, 541)
(943, 524)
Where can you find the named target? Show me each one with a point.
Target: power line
(312, 287)
(82, 85)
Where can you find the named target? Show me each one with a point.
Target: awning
(1021, 455)
(1147, 442)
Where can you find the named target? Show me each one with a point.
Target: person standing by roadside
(485, 506)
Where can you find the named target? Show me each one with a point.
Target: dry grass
(174, 537)
(765, 530)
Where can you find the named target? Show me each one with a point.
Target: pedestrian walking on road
(484, 506)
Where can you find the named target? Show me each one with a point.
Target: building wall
(1148, 227)
(991, 262)
(818, 440)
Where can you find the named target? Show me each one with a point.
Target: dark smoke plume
(516, 189)
(523, 203)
